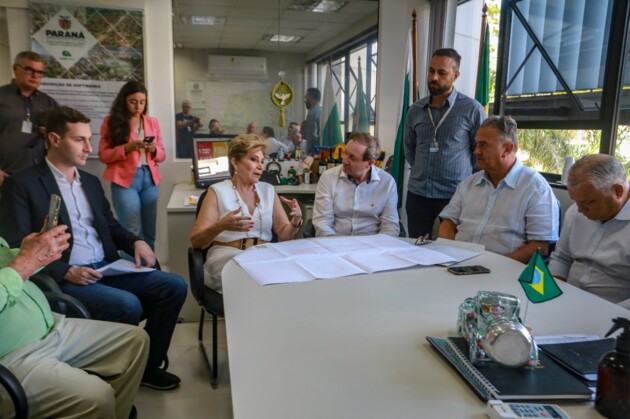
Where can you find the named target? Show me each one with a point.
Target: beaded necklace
(242, 204)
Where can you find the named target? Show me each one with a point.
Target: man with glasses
(22, 115)
(356, 198)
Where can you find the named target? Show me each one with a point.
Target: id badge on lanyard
(435, 146)
(27, 124)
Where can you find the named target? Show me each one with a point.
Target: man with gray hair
(356, 198)
(22, 116)
(506, 206)
(592, 253)
(186, 125)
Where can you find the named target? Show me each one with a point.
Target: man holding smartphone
(506, 206)
(96, 240)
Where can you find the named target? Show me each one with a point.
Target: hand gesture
(295, 212)
(234, 222)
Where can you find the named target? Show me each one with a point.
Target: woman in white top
(241, 212)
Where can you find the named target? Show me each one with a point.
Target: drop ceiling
(248, 20)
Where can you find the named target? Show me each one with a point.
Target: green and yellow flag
(537, 282)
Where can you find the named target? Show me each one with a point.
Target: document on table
(334, 257)
(122, 267)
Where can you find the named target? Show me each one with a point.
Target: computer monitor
(210, 159)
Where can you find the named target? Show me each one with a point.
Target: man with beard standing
(439, 142)
(313, 135)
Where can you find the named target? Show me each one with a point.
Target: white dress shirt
(86, 243)
(521, 208)
(344, 208)
(595, 256)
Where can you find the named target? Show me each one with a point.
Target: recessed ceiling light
(273, 37)
(318, 6)
(203, 20)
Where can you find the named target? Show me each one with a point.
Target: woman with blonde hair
(242, 211)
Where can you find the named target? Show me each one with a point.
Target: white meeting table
(356, 347)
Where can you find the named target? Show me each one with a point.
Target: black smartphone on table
(149, 139)
(468, 270)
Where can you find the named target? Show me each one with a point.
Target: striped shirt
(437, 174)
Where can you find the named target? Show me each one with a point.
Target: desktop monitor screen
(210, 159)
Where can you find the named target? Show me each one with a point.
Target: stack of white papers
(335, 257)
(122, 267)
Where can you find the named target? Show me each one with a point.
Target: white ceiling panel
(248, 20)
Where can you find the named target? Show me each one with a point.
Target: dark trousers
(421, 213)
(156, 295)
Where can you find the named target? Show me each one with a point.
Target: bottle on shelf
(291, 172)
(307, 176)
(330, 162)
(322, 164)
(613, 375)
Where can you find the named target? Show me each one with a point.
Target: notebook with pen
(548, 381)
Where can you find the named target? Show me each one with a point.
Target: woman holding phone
(131, 147)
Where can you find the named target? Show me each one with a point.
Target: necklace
(242, 204)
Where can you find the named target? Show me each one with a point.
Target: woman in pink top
(131, 147)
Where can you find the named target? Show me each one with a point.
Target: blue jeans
(136, 206)
(157, 296)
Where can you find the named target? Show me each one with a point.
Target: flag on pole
(360, 122)
(482, 93)
(331, 127)
(537, 282)
(408, 97)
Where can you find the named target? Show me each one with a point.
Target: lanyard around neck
(436, 128)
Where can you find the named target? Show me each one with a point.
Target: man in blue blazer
(96, 239)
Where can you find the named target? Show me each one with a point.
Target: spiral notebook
(548, 381)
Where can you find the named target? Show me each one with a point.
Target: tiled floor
(194, 398)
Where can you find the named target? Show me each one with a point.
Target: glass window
(556, 55)
(546, 149)
(345, 67)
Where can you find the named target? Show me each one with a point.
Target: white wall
(467, 33)
(394, 23)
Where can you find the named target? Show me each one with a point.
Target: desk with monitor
(356, 347)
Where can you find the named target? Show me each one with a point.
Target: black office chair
(209, 300)
(60, 303)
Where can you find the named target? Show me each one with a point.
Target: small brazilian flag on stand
(537, 282)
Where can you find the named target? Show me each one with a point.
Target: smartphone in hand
(149, 139)
(53, 211)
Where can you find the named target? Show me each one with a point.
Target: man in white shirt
(592, 253)
(506, 206)
(297, 142)
(356, 198)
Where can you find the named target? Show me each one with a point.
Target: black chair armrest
(45, 282)
(15, 391)
(196, 259)
(67, 304)
(308, 230)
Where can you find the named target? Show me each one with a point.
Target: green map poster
(89, 53)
